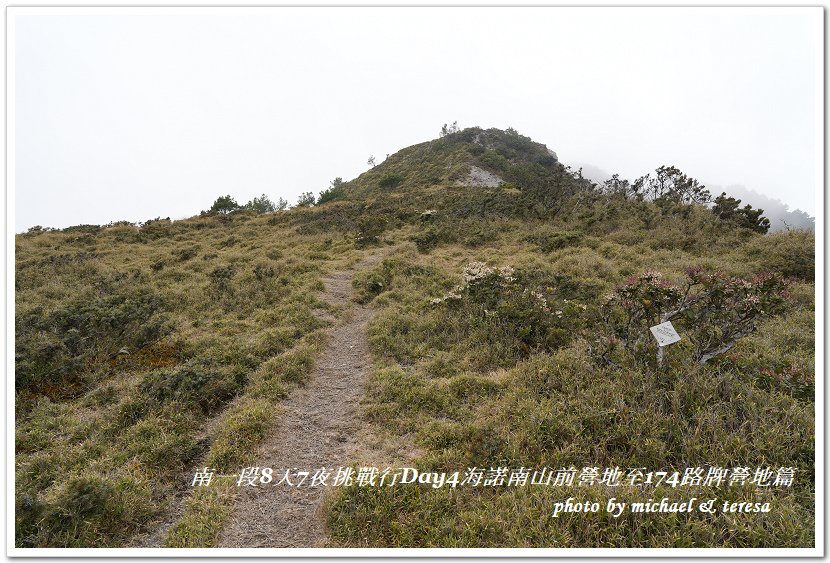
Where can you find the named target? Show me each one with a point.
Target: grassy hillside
(143, 352)
(467, 391)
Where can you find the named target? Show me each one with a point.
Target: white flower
(507, 273)
(475, 271)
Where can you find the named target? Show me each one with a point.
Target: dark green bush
(51, 349)
(476, 150)
(492, 159)
(131, 411)
(154, 229)
(480, 236)
(431, 237)
(221, 277)
(548, 241)
(185, 254)
(89, 229)
(85, 497)
(88, 511)
(263, 271)
(390, 180)
(337, 190)
(193, 384)
(727, 209)
(498, 305)
(372, 282)
(369, 230)
(28, 513)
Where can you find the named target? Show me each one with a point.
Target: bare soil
(317, 428)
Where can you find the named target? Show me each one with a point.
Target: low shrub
(495, 301)
(390, 180)
(791, 253)
(433, 236)
(53, 349)
(185, 254)
(712, 309)
(372, 282)
(221, 277)
(193, 384)
(549, 240)
(369, 230)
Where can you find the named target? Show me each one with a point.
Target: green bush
(263, 271)
(726, 209)
(492, 159)
(432, 236)
(495, 301)
(87, 510)
(88, 229)
(336, 191)
(370, 283)
(369, 230)
(185, 254)
(221, 277)
(480, 236)
(476, 150)
(390, 180)
(263, 204)
(224, 204)
(548, 240)
(193, 384)
(52, 349)
(305, 199)
(82, 506)
(155, 229)
(792, 253)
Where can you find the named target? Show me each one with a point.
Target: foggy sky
(133, 115)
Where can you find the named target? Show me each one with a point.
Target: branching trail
(317, 429)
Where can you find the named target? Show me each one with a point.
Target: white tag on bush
(665, 334)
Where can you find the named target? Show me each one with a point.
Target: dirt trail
(317, 428)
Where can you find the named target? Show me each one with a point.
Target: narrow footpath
(317, 429)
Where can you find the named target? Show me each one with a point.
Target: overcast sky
(138, 115)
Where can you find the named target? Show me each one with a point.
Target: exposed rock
(480, 178)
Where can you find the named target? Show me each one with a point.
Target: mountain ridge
(506, 324)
